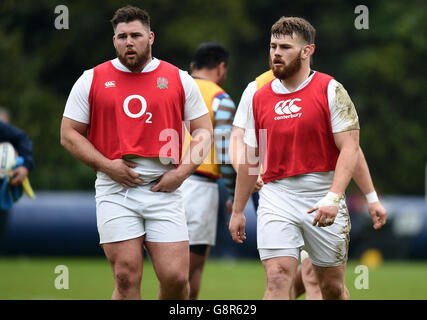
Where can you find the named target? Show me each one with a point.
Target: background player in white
(296, 182)
(137, 201)
(200, 190)
(305, 280)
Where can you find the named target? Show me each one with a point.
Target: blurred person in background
(200, 190)
(17, 181)
(22, 143)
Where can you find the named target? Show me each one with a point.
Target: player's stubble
(288, 69)
(135, 63)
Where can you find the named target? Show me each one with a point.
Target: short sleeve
(343, 112)
(195, 106)
(77, 106)
(241, 116)
(250, 136)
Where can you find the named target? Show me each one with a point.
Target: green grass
(91, 278)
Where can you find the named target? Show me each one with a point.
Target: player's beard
(136, 63)
(286, 70)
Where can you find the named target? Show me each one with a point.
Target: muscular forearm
(79, 147)
(74, 141)
(347, 143)
(361, 175)
(363, 179)
(244, 185)
(328, 206)
(237, 147)
(345, 166)
(201, 142)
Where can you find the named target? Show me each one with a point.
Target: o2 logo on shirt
(135, 105)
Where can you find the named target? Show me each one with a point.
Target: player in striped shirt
(200, 190)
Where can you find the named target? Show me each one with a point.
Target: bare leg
(197, 263)
(332, 282)
(309, 279)
(171, 262)
(280, 273)
(298, 285)
(126, 262)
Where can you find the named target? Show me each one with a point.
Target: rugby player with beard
(311, 143)
(124, 118)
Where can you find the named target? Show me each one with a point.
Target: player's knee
(332, 289)
(126, 277)
(125, 281)
(175, 280)
(309, 278)
(278, 276)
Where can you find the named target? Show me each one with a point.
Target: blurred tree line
(383, 68)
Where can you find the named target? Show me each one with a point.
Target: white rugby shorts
(133, 212)
(284, 227)
(201, 198)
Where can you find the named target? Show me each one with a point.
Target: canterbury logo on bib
(301, 141)
(287, 109)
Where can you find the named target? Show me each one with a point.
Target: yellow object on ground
(372, 258)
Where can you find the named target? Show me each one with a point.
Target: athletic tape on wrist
(372, 197)
(330, 200)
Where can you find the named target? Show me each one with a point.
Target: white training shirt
(149, 169)
(310, 183)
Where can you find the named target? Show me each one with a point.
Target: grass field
(91, 278)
